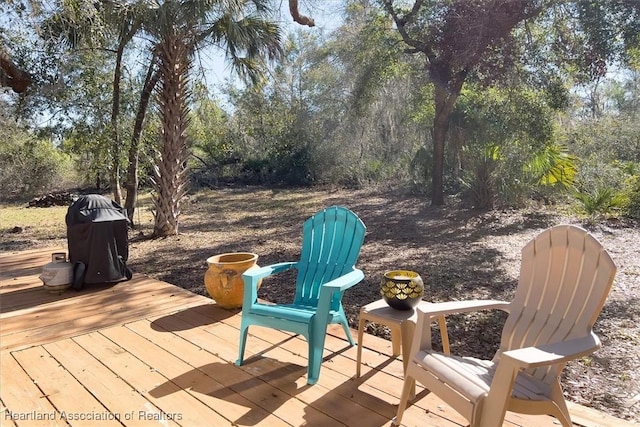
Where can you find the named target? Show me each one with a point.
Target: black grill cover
(97, 240)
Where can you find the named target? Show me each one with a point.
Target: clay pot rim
(409, 274)
(232, 258)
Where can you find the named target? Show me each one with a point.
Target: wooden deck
(145, 353)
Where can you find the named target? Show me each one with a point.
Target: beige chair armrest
(458, 307)
(431, 312)
(551, 354)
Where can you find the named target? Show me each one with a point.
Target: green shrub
(602, 201)
(479, 181)
(29, 167)
(632, 206)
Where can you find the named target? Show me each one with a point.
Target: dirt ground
(459, 253)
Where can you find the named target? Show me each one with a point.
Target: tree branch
(11, 76)
(402, 21)
(295, 14)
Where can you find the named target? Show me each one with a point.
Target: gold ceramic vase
(402, 289)
(223, 278)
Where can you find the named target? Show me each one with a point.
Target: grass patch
(34, 223)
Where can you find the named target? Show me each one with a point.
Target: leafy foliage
(600, 201)
(481, 182)
(29, 165)
(508, 146)
(276, 136)
(213, 147)
(552, 166)
(539, 113)
(632, 206)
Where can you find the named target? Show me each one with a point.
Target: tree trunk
(131, 185)
(115, 135)
(171, 173)
(126, 34)
(445, 98)
(440, 124)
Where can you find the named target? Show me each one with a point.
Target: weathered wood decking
(145, 352)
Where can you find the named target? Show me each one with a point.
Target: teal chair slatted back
(331, 242)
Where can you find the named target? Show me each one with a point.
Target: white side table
(402, 324)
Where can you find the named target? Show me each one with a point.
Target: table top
(381, 309)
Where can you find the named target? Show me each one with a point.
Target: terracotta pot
(223, 278)
(402, 289)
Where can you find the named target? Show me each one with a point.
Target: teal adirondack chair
(331, 243)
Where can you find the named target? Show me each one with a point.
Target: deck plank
(180, 373)
(286, 370)
(176, 404)
(72, 401)
(235, 379)
(97, 307)
(35, 298)
(21, 396)
(108, 386)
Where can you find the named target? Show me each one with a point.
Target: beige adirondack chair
(565, 277)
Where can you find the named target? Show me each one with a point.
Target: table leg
(397, 338)
(361, 326)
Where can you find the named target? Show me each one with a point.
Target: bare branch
(11, 76)
(402, 21)
(295, 14)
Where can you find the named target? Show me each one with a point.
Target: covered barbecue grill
(97, 240)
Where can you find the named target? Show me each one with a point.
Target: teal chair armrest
(344, 282)
(253, 276)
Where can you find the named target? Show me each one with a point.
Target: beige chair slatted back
(565, 278)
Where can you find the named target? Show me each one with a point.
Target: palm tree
(179, 29)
